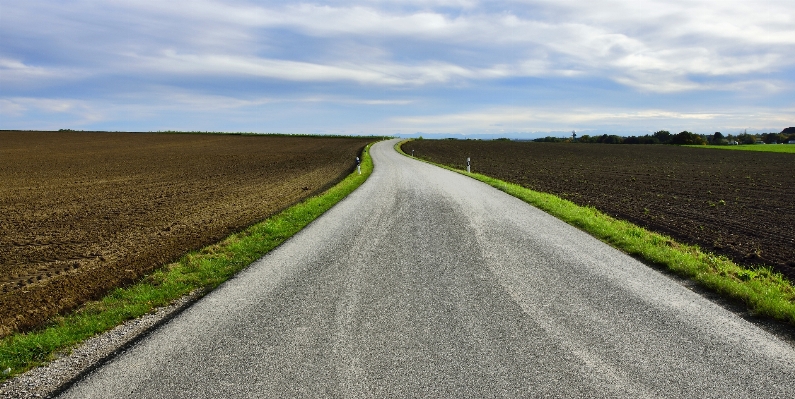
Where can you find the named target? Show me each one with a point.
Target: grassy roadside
(781, 148)
(199, 270)
(764, 292)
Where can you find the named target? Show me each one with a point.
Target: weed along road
(425, 283)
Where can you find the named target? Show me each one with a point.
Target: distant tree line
(684, 137)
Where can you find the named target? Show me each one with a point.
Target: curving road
(425, 283)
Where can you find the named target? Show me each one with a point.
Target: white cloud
(15, 73)
(532, 119)
(343, 100)
(54, 105)
(170, 98)
(653, 45)
(47, 113)
(380, 74)
(376, 54)
(648, 44)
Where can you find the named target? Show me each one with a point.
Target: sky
(448, 67)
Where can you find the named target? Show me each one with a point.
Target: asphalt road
(425, 283)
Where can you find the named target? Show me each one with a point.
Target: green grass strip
(782, 148)
(765, 292)
(199, 270)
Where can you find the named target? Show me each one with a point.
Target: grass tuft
(202, 270)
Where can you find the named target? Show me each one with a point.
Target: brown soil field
(85, 212)
(733, 203)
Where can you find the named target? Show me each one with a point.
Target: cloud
(376, 73)
(13, 106)
(646, 44)
(693, 38)
(48, 113)
(15, 73)
(534, 119)
(169, 98)
(446, 56)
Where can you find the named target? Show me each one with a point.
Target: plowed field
(735, 203)
(82, 212)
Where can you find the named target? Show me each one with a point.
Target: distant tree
(688, 138)
(645, 139)
(745, 138)
(611, 139)
(788, 131)
(717, 139)
(773, 138)
(648, 139)
(550, 139)
(585, 139)
(631, 140)
(663, 136)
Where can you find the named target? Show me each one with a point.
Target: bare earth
(732, 203)
(84, 212)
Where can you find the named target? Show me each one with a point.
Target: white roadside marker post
(359, 165)
(412, 153)
(467, 164)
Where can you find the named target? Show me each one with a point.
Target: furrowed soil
(85, 212)
(733, 203)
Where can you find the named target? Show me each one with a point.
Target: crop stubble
(734, 203)
(84, 212)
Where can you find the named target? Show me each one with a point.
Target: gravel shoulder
(50, 379)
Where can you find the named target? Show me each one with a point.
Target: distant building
(791, 142)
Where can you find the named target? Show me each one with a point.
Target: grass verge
(783, 148)
(198, 270)
(765, 292)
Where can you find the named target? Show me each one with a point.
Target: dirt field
(735, 203)
(86, 212)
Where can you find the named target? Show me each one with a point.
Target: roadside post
(468, 165)
(359, 165)
(412, 153)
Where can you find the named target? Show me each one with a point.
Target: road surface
(425, 283)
